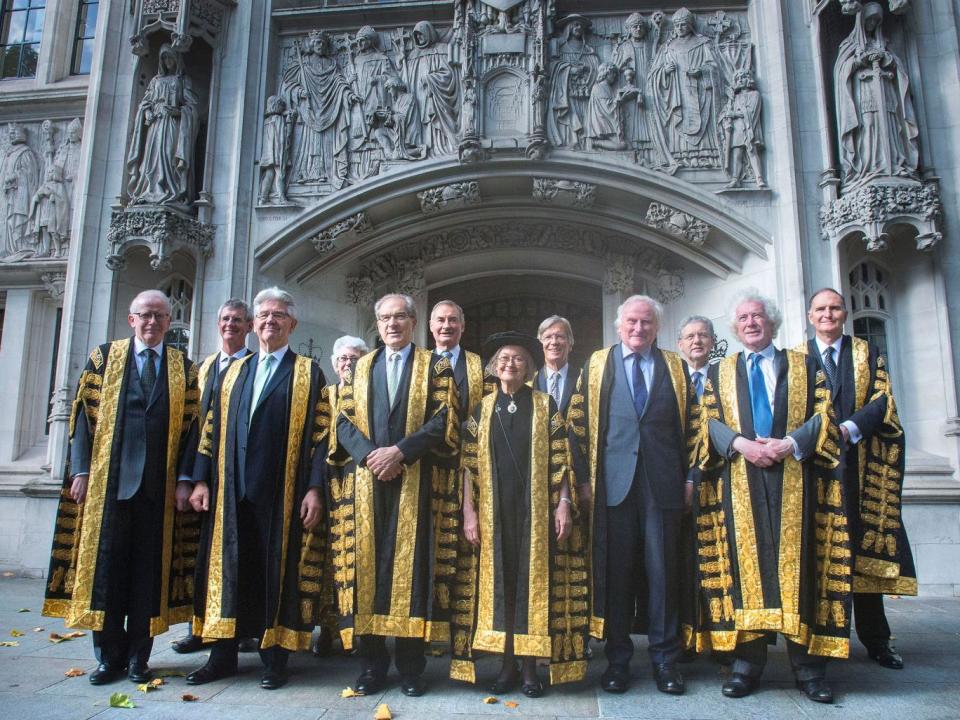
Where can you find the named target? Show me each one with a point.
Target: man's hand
(755, 453)
(311, 509)
(471, 528)
(78, 488)
(778, 449)
(564, 521)
(384, 461)
(200, 497)
(182, 496)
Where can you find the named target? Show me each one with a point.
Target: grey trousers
(751, 657)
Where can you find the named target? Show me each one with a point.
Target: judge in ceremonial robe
(526, 592)
(696, 340)
(446, 325)
(394, 565)
(258, 477)
(631, 414)
(122, 555)
(234, 323)
(773, 544)
(874, 456)
(556, 377)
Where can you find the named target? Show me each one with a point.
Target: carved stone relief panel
(449, 197)
(677, 223)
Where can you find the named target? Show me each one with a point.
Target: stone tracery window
(180, 292)
(84, 36)
(21, 25)
(870, 303)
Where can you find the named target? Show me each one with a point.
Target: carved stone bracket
(873, 209)
(183, 19)
(161, 230)
(677, 223)
(450, 197)
(565, 193)
(54, 283)
(324, 241)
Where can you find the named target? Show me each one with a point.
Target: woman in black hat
(522, 581)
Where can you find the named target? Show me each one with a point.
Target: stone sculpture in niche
(686, 86)
(877, 126)
(315, 87)
(571, 81)
(372, 70)
(50, 210)
(742, 131)
(632, 56)
(275, 155)
(67, 156)
(394, 126)
(160, 161)
(604, 115)
(20, 174)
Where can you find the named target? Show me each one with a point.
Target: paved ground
(33, 685)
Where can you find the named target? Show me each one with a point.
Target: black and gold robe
(296, 556)
(753, 578)
(883, 562)
(552, 610)
(410, 596)
(79, 565)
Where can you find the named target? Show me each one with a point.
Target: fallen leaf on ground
(75, 672)
(187, 697)
(168, 672)
(145, 687)
(24, 610)
(490, 700)
(8, 574)
(121, 700)
(16, 633)
(38, 629)
(349, 693)
(157, 682)
(58, 638)
(9, 643)
(511, 704)
(382, 713)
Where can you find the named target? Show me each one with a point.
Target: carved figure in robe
(47, 147)
(571, 81)
(67, 157)
(436, 87)
(314, 86)
(685, 85)
(395, 126)
(371, 70)
(50, 210)
(632, 56)
(275, 155)
(160, 162)
(743, 130)
(20, 173)
(604, 113)
(877, 125)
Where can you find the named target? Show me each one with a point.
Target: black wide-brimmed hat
(511, 337)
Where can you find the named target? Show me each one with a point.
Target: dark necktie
(759, 400)
(639, 386)
(148, 374)
(830, 365)
(698, 383)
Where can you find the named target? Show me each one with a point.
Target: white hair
(410, 305)
(344, 342)
(236, 304)
(555, 320)
(657, 308)
(753, 295)
(275, 293)
(148, 295)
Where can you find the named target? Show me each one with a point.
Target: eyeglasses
(347, 359)
(151, 316)
(399, 317)
(505, 360)
(275, 314)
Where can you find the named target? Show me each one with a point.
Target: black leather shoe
(273, 679)
(139, 672)
(412, 685)
(105, 674)
(209, 673)
(369, 683)
(615, 679)
(532, 689)
(248, 645)
(189, 644)
(506, 683)
(738, 686)
(886, 656)
(668, 677)
(816, 690)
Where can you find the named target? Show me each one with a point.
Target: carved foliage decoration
(162, 231)
(449, 197)
(566, 193)
(355, 225)
(677, 223)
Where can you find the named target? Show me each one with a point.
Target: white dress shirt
(223, 360)
(139, 346)
(454, 354)
(770, 382)
(646, 366)
(852, 430)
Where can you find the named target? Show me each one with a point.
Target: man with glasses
(554, 378)
(393, 566)
(114, 567)
(696, 340)
(258, 476)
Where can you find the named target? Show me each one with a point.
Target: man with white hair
(773, 542)
(258, 476)
(631, 414)
(115, 565)
(555, 377)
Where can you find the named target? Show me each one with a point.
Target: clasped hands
(763, 452)
(385, 463)
(197, 497)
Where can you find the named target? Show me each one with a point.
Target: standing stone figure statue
(743, 132)
(275, 155)
(685, 83)
(50, 210)
(371, 71)
(604, 113)
(632, 56)
(20, 174)
(160, 162)
(436, 86)
(877, 126)
(67, 157)
(571, 81)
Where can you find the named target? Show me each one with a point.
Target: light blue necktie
(759, 400)
(264, 371)
(393, 376)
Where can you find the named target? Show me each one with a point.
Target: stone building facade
(522, 157)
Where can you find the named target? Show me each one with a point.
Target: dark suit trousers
(638, 528)
(869, 617)
(751, 657)
(375, 658)
(135, 549)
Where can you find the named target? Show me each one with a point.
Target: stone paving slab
(33, 685)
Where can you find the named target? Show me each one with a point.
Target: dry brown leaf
(75, 634)
(383, 713)
(349, 693)
(58, 638)
(147, 687)
(490, 700)
(157, 682)
(75, 672)
(511, 704)
(187, 697)
(9, 643)
(16, 633)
